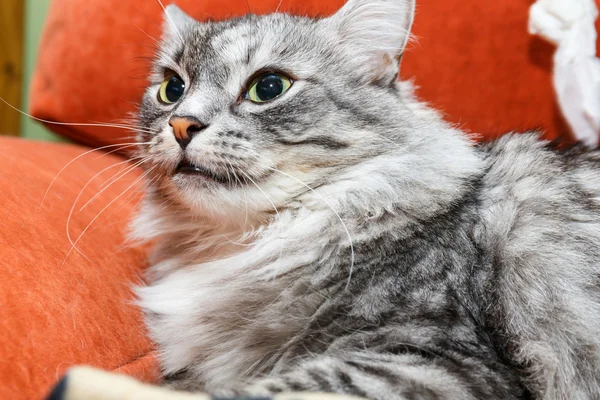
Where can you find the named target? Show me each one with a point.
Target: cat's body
(396, 261)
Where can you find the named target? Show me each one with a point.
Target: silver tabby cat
(319, 229)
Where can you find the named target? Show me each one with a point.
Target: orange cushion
(59, 309)
(476, 62)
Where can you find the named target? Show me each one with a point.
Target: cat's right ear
(176, 22)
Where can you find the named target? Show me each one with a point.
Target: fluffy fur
(346, 239)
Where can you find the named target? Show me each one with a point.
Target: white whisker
(170, 20)
(276, 212)
(114, 180)
(352, 255)
(278, 5)
(102, 211)
(78, 197)
(148, 35)
(245, 193)
(101, 125)
(135, 192)
(120, 147)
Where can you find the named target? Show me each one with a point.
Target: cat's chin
(203, 198)
(199, 196)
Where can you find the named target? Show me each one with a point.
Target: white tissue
(570, 25)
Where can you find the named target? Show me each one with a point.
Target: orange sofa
(65, 295)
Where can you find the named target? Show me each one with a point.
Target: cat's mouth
(185, 167)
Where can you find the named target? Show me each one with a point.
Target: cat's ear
(176, 22)
(375, 32)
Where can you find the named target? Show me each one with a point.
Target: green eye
(267, 87)
(171, 89)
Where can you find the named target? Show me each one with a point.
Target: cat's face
(248, 113)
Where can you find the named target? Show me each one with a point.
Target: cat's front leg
(384, 377)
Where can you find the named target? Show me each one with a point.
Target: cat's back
(540, 225)
(526, 178)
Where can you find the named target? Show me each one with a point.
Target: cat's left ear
(375, 32)
(176, 22)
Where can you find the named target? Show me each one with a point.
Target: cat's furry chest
(228, 319)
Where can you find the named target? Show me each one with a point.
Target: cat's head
(251, 112)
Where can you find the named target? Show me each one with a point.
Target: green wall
(35, 12)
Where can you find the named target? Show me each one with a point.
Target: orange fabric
(57, 311)
(145, 368)
(474, 60)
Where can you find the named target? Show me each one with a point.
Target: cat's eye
(171, 89)
(267, 87)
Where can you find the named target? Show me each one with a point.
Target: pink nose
(185, 128)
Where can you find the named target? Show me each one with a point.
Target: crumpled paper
(570, 25)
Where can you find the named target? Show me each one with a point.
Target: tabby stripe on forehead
(318, 141)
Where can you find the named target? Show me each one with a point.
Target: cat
(318, 228)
